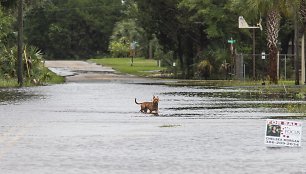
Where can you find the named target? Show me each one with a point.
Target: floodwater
(95, 127)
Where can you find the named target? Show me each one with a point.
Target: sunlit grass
(140, 67)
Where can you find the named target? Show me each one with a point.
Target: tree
(29, 62)
(72, 28)
(194, 30)
(168, 23)
(214, 21)
(8, 3)
(272, 10)
(6, 21)
(125, 32)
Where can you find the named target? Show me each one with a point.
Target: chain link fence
(244, 66)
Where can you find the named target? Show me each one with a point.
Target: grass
(141, 66)
(230, 83)
(169, 125)
(50, 78)
(6, 83)
(53, 78)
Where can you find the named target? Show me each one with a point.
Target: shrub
(119, 48)
(33, 66)
(204, 69)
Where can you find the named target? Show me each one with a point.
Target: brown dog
(152, 106)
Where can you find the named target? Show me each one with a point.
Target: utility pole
(254, 65)
(296, 51)
(20, 42)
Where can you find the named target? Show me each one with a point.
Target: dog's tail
(137, 103)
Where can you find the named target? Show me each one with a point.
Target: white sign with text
(283, 133)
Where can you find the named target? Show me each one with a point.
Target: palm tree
(273, 26)
(271, 9)
(303, 10)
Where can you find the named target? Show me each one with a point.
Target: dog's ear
(153, 96)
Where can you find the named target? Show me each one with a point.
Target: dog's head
(155, 100)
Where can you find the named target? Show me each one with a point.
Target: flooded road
(94, 126)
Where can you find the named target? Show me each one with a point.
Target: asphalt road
(91, 125)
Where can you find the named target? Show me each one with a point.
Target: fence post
(239, 66)
(244, 74)
(278, 65)
(285, 66)
(303, 60)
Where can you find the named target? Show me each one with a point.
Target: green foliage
(182, 31)
(34, 71)
(8, 3)
(204, 69)
(192, 29)
(8, 62)
(33, 68)
(6, 23)
(297, 108)
(33, 63)
(125, 32)
(127, 29)
(119, 48)
(214, 14)
(72, 28)
(6, 83)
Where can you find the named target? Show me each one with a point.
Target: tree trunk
(180, 53)
(189, 58)
(296, 50)
(20, 42)
(273, 25)
(302, 12)
(273, 65)
(150, 50)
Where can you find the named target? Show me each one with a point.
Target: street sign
(231, 41)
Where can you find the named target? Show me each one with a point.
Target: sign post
(133, 51)
(243, 24)
(283, 133)
(231, 41)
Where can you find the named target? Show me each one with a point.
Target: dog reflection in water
(152, 106)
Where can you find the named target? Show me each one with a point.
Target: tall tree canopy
(72, 28)
(194, 30)
(190, 31)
